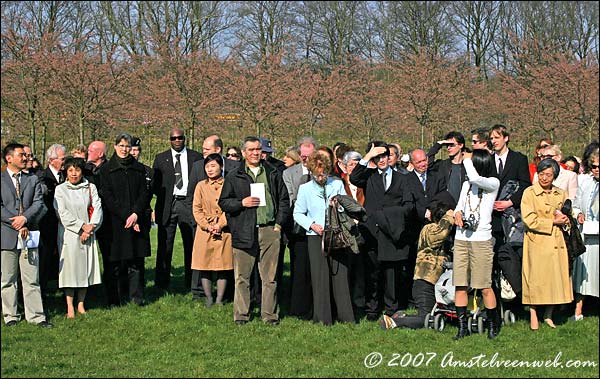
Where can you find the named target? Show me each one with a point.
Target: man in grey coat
(22, 206)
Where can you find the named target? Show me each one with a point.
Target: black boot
(463, 329)
(493, 321)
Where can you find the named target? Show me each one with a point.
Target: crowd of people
(369, 234)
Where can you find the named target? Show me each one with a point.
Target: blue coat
(312, 202)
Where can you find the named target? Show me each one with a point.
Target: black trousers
(301, 296)
(166, 238)
(330, 284)
(128, 278)
(381, 282)
(423, 294)
(111, 290)
(49, 261)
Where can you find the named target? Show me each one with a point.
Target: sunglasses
(548, 156)
(475, 141)
(231, 155)
(594, 166)
(177, 138)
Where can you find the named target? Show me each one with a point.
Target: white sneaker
(576, 318)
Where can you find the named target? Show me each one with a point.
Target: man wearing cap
(267, 154)
(211, 145)
(171, 172)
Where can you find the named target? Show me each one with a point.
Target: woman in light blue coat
(329, 275)
(79, 265)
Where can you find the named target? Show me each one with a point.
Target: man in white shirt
(171, 172)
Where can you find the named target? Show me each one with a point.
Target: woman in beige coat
(212, 251)
(545, 260)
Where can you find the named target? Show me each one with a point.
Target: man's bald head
(212, 145)
(97, 152)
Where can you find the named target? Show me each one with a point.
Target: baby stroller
(507, 283)
(444, 309)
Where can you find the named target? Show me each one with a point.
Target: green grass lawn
(175, 337)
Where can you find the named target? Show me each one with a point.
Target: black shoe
(45, 324)
(12, 323)
(241, 322)
(372, 316)
(272, 322)
(463, 329)
(493, 324)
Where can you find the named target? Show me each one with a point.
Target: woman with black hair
(473, 243)
(78, 253)
(123, 189)
(212, 253)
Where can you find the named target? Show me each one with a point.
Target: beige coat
(545, 260)
(211, 253)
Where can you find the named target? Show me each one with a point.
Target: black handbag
(572, 236)
(334, 237)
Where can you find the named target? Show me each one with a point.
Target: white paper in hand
(258, 190)
(33, 240)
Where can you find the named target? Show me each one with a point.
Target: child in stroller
(431, 257)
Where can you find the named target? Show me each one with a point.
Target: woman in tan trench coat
(212, 251)
(545, 260)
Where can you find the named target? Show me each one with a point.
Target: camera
(471, 223)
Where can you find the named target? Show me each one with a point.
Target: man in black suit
(422, 186)
(451, 170)
(211, 145)
(52, 176)
(171, 172)
(387, 250)
(511, 166)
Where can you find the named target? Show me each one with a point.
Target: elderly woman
(127, 200)
(585, 208)
(310, 209)
(79, 265)
(545, 272)
(212, 251)
(473, 243)
(566, 180)
(349, 161)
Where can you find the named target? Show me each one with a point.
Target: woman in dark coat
(127, 200)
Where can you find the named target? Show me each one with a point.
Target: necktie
(384, 181)
(178, 176)
(500, 167)
(423, 182)
(61, 177)
(305, 179)
(18, 190)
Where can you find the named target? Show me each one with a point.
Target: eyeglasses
(127, 147)
(450, 144)
(177, 138)
(594, 166)
(548, 156)
(231, 155)
(475, 141)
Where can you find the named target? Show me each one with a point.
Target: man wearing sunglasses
(211, 145)
(171, 176)
(450, 169)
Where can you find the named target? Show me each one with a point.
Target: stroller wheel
(428, 324)
(509, 317)
(439, 322)
(480, 329)
(470, 324)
